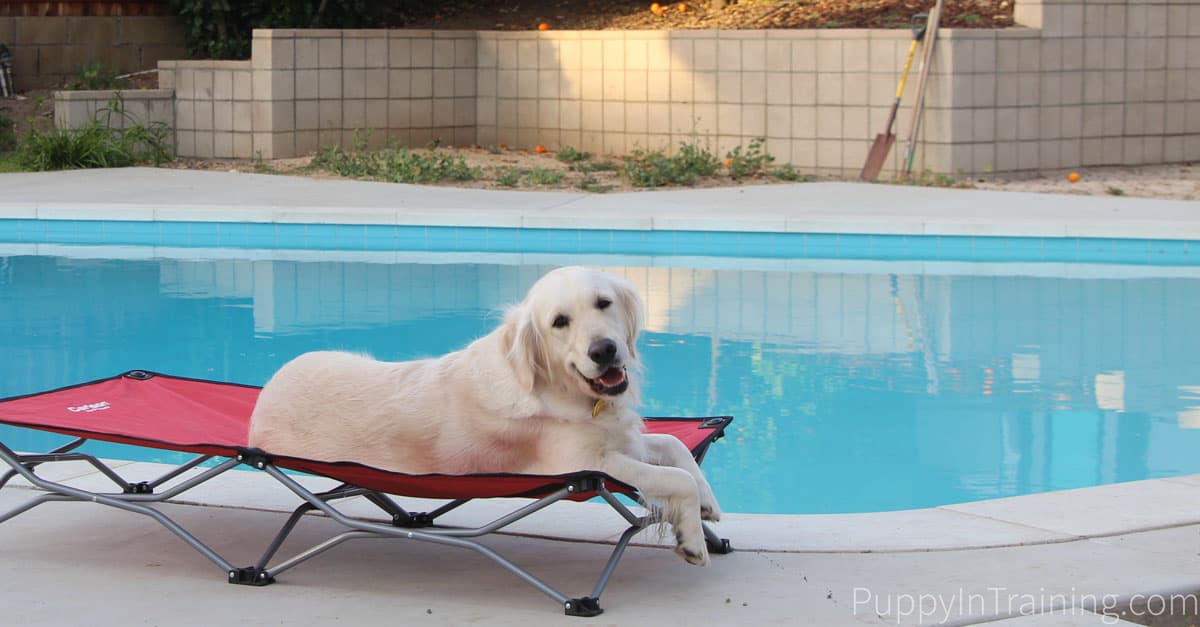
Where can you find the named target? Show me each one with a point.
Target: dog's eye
(561, 321)
(602, 303)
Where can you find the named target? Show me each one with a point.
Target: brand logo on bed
(90, 407)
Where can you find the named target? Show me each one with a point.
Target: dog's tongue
(612, 376)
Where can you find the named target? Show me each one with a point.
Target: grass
(9, 163)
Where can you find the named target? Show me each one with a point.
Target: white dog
(552, 390)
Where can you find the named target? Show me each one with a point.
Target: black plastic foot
(583, 606)
(412, 521)
(140, 487)
(719, 546)
(250, 576)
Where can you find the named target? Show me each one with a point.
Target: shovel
(883, 141)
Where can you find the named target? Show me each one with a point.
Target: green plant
(543, 176)
(97, 144)
(589, 183)
(395, 164)
(10, 163)
(654, 168)
(788, 172)
(929, 178)
(603, 165)
(1114, 191)
(8, 134)
(694, 161)
(508, 177)
(569, 155)
(97, 76)
(749, 163)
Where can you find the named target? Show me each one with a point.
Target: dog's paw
(693, 557)
(695, 553)
(710, 512)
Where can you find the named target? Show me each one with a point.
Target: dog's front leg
(676, 489)
(667, 450)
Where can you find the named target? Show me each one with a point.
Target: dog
(553, 389)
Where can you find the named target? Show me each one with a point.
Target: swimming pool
(856, 385)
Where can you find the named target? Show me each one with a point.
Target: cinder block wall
(120, 109)
(48, 51)
(1113, 82)
(219, 110)
(816, 96)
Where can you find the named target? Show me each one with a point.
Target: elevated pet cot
(210, 419)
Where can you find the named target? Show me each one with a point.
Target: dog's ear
(526, 348)
(633, 308)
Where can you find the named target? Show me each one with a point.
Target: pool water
(855, 386)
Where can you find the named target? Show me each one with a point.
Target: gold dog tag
(598, 407)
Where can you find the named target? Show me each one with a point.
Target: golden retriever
(553, 389)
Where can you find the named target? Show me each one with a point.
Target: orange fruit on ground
(682, 7)
(656, 8)
(543, 26)
(1073, 177)
(539, 149)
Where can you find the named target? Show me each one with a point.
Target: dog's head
(576, 332)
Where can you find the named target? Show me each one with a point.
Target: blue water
(855, 386)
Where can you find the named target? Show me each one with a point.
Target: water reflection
(852, 391)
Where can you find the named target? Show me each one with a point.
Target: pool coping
(168, 195)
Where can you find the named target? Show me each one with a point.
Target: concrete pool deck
(188, 195)
(76, 563)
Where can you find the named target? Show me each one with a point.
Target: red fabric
(213, 418)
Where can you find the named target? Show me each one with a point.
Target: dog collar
(600, 406)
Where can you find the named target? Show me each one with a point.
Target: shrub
(220, 29)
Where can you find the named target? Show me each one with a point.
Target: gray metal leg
(138, 498)
(63, 492)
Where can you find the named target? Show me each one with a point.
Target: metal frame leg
(137, 497)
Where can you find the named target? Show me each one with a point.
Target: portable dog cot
(211, 419)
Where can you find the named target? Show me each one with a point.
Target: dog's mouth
(611, 382)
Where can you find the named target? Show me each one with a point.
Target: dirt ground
(667, 14)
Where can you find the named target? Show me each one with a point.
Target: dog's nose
(603, 352)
